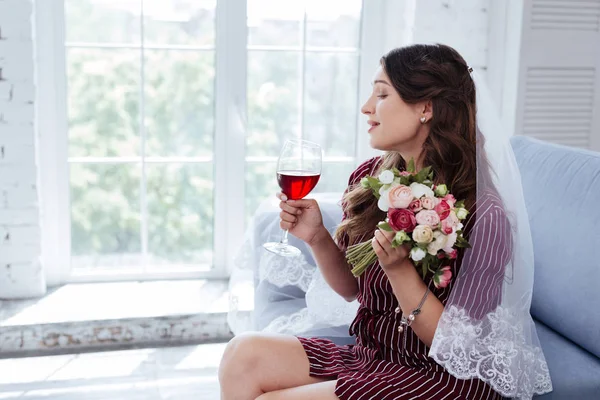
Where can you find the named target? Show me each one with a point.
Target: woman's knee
(241, 356)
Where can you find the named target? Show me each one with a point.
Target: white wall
(20, 270)
(462, 24)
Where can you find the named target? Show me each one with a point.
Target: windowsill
(77, 317)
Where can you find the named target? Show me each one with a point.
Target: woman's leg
(315, 391)
(256, 363)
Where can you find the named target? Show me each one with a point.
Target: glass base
(281, 249)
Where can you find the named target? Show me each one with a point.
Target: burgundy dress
(379, 366)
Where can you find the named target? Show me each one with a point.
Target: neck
(415, 156)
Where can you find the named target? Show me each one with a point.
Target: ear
(426, 110)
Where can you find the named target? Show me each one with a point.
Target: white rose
(386, 177)
(420, 190)
(450, 240)
(417, 254)
(461, 213)
(439, 242)
(423, 234)
(384, 202)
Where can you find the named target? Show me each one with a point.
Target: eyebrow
(380, 81)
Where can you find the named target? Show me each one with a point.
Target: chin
(379, 146)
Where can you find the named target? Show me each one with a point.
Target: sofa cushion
(575, 373)
(562, 193)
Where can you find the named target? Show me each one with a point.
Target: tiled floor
(182, 373)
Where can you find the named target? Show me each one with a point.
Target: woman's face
(394, 124)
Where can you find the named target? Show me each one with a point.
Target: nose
(367, 108)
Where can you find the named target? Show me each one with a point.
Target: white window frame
(229, 139)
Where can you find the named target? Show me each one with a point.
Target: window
(176, 111)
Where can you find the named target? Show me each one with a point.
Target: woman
(423, 106)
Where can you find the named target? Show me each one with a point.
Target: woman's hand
(302, 218)
(390, 258)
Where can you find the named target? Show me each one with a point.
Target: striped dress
(379, 366)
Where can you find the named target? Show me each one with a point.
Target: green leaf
(385, 226)
(423, 174)
(411, 166)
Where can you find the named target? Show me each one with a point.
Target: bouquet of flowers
(423, 215)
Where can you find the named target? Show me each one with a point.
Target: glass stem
(284, 237)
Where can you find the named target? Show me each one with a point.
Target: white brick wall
(462, 24)
(20, 269)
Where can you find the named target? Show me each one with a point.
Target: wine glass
(298, 171)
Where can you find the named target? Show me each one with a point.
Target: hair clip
(470, 69)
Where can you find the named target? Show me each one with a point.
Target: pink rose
(428, 203)
(446, 228)
(449, 198)
(402, 220)
(400, 196)
(452, 255)
(443, 209)
(404, 173)
(415, 206)
(442, 277)
(428, 217)
(450, 224)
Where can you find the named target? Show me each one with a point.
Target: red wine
(297, 184)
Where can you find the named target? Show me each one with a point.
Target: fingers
(378, 246)
(286, 225)
(389, 236)
(289, 209)
(284, 216)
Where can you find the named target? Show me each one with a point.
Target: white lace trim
(286, 271)
(325, 308)
(493, 350)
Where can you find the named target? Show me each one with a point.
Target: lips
(373, 124)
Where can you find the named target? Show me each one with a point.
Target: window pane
(333, 23)
(182, 22)
(103, 102)
(180, 213)
(334, 177)
(273, 90)
(179, 103)
(331, 105)
(103, 21)
(275, 22)
(105, 218)
(261, 183)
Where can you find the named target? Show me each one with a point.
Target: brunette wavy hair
(422, 73)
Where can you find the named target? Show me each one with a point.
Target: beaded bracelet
(407, 321)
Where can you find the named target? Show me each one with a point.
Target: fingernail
(283, 197)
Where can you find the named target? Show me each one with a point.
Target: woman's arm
(408, 286)
(409, 289)
(332, 262)
(304, 220)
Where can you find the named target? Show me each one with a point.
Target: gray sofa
(562, 193)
